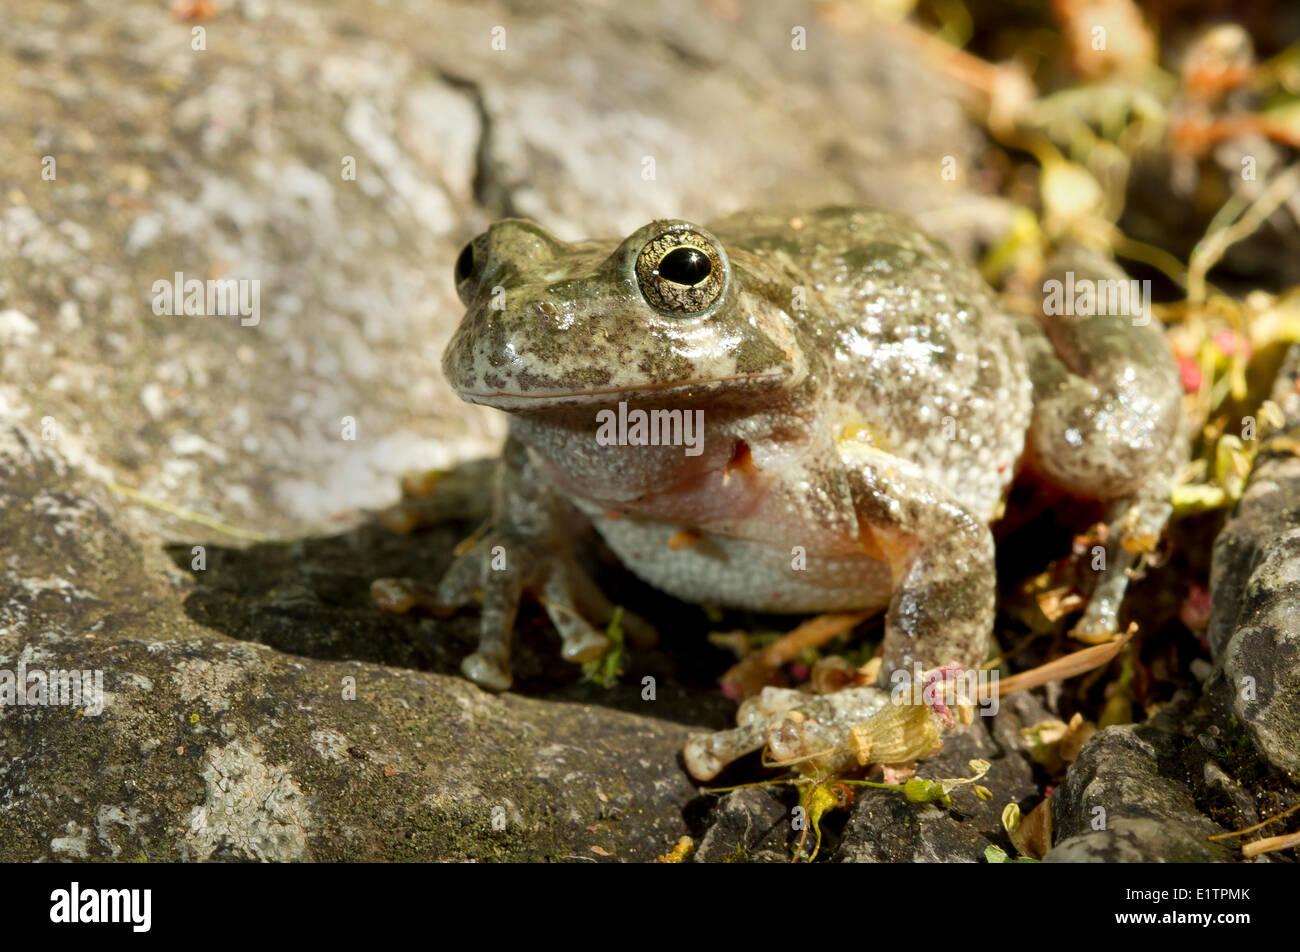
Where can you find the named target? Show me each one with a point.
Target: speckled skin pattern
(866, 404)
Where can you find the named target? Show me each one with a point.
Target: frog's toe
(461, 581)
(489, 666)
(640, 633)
(408, 515)
(576, 608)
(1132, 528)
(489, 673)
(593, 604)
(398, 596)
(436, 496)
(705, 755)
(582, 642)
(1100, 619)
(584, 645)
(1094, 631)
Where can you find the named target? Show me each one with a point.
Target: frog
(790, 411)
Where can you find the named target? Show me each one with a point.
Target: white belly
(737, 573)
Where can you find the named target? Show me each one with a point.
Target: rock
(1254, 627)
(1125, 799)
(750, 826)
(885, 828)
(209, 747)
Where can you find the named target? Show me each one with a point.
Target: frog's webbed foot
(521, 549)
(792, 727)
(942, 607)
(504, 567)
(842, 730)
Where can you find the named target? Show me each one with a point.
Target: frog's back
(921, 358)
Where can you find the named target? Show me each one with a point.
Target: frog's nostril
(465, 263)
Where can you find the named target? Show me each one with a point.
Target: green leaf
(994, 855)
(608, 668)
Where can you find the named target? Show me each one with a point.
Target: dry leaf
(755, 672)
(1075, 663)
(898, 734)
(1036, 831)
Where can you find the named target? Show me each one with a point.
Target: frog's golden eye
(680, 272)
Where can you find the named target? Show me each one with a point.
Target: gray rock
(1126, 800)
(209, 747)
(885, 828)
(1254, 627)
(749, 826)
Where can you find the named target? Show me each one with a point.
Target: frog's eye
(684, 265)
(465, 263)
(680, 272)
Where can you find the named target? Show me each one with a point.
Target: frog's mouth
(689, 391)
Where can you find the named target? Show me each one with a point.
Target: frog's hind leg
(1106, 390)
(1107, 414)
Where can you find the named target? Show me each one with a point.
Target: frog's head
(664, 314)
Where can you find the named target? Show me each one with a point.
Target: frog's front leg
(525, 549)
(941, 556)
(1107, 421)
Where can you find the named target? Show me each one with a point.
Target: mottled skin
(865, 402)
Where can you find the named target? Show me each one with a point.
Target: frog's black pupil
(465, 263)
(687, 266)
